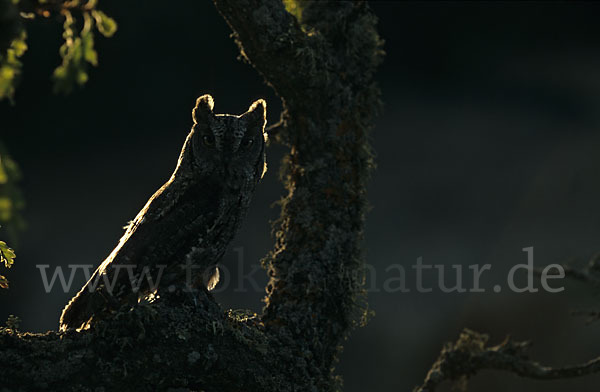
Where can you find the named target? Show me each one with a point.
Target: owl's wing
(211, 278)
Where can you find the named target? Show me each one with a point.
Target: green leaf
(3, 175)
(19, 46)
(11, 199)
(89, 53)
(7, 255)
(6, 207)
(294, 7)
(11, 168)
(10, 66)
(72, 71)
(77, 53)
(104, 23)
(3, 282)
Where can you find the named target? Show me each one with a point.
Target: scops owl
(183, 230)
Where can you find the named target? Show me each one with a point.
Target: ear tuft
(257, 113)
(203, 109)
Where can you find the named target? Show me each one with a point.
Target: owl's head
(230, 146)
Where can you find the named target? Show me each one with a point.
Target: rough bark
(321, 64)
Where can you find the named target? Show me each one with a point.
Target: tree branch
(322, 68)
(153, 347)
(589, 274)
(470, 355)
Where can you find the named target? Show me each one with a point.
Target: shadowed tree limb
(590, 274)
(591, 315)
(470, 355)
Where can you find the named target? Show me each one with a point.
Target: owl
(180, 235)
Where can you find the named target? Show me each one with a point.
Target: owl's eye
(247, 143)
(208, 141)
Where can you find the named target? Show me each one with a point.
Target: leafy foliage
(7, 257)
(11, 202)
(77, 52)
(10, 66)
(294, 7)
(13, 322)
(11, 199)
(105, 24)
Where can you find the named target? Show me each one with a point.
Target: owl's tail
(76, 314)
(83, 306)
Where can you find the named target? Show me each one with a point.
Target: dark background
(488, 143)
